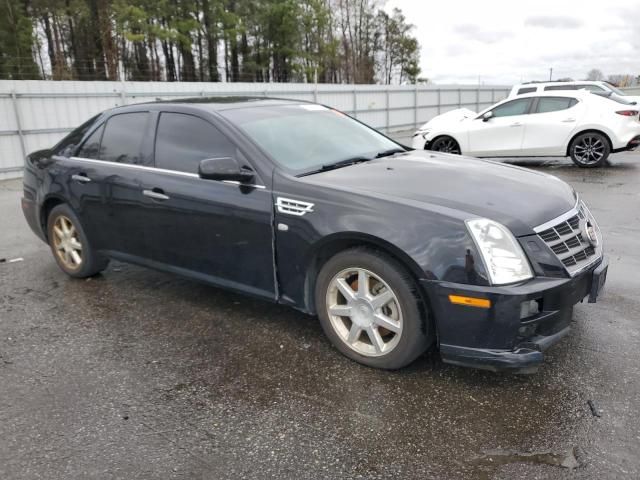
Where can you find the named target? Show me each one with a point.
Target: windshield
(306, 137)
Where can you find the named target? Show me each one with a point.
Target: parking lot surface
(136, 374)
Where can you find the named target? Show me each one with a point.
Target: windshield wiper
(342, 163)
(388, 153)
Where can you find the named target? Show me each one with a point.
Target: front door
(219, 231)
(502, 134)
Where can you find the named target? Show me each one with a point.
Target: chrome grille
(565, 238)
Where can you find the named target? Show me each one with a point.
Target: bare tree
(595, 74)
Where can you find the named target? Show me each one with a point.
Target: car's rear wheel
(70, 245)
(445, 144)
(370, 309)
(590, 149)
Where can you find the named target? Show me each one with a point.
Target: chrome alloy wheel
(590, 150)
(364, 311)
(66, 243)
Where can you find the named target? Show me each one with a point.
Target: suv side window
(123, 138)
(554, 104)
(91, 147)
(560, 87)
(527, 90)
(514, 107)
(183, 140)
(591, 88)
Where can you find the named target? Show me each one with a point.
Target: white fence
(36, 114)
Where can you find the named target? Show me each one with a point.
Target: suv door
(219, 231)
(503, 133)
(550, 125)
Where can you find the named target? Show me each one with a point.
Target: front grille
(566, 240)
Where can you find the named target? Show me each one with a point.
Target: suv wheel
(369, 308)
(589, 150)
(70, 246)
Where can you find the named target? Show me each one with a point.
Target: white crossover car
(578, 124)
(594, 86)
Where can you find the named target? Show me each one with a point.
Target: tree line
(325, 41)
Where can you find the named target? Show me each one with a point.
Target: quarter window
(515, 107)
(183, 140)
(553, 104)
(527, 90)
(591, 88)
(91, 146)
(123, 137)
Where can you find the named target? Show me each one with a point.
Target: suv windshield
(308, 137)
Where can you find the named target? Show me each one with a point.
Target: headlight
(422, 132)
(503, 257)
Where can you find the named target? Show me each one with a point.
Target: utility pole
(550, 73)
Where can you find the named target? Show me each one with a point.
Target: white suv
(597, 87)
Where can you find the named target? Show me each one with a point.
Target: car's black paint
(412, 206)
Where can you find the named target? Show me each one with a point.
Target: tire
(444, 144)
(589, 150)
(66, 236)
(408, 333)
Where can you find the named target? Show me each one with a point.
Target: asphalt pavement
(136, 374)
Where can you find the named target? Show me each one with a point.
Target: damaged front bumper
(508, 335)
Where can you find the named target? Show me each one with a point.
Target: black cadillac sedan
(394, 250)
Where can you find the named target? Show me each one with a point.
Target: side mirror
(224, 168)
(487, 116)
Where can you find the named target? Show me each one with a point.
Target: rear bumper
(497, 338)
(31, 215)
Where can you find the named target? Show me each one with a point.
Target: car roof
(571, 82)
(217, 103)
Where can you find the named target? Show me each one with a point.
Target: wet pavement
(140, 374)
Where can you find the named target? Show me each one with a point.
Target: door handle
(156, 194)
(568, 120)
(80, 178)
(516, 124)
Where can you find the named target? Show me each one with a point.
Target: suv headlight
(503, 257)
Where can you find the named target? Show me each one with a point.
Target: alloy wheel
(66, 242)
(589, 150)
(364, 311)
(446, 145)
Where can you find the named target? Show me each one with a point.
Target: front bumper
(497, 338)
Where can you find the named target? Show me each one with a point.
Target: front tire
(444, 144)
(370, 309)
(70, 246)
(589, 150)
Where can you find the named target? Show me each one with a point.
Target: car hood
(451, 117)
(519, 198)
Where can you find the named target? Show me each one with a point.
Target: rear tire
(445, 144)
(70, 246)
(590, 150)
(370, 309)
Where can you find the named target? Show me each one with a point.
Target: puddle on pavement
(498, 458)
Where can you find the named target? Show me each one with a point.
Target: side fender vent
(293, 207)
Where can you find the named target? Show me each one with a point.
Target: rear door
(219, 231)
(550, 125)
(503, 133)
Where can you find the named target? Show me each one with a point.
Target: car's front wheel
(70, 246)
(370, 309)
(445, 144)
(590, 149)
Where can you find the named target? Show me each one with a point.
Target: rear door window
(183, 140)
(554, 104)
(123, 138)
(514, 107)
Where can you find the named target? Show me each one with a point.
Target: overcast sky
(504, 42)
